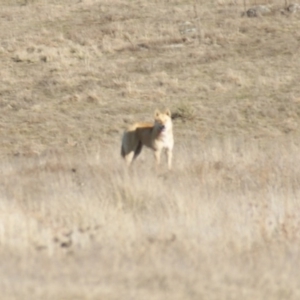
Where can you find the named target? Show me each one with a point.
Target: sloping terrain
(78, 71)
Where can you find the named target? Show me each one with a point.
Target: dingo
(157, 136)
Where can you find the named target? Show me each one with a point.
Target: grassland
(74, 224)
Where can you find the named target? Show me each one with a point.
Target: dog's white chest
(166, 140)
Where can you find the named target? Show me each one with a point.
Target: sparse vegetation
(75, 224)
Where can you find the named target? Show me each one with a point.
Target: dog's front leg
(157, 157)
(169, 158)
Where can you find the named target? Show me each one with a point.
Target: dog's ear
(168, 112)
(156, 113)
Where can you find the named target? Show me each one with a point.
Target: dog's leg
(169, 158)
(157, 157)
(129, 158)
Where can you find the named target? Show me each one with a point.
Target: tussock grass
(223, 222)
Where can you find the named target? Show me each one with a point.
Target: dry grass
(223, 224)
(74, 224)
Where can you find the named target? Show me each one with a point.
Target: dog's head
(163, 121)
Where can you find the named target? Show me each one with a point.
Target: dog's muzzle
(162, 128)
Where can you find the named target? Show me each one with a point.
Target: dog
(157, 136)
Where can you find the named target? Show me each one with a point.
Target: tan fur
(157, 136)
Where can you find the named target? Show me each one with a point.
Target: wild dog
(157, 136)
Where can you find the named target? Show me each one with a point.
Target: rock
(293, 8)
(257, 11)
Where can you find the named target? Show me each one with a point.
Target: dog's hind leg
(129, 158)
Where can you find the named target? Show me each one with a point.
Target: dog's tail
(138, 150)
(122, 151)
(122, 146)
(134, 145)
